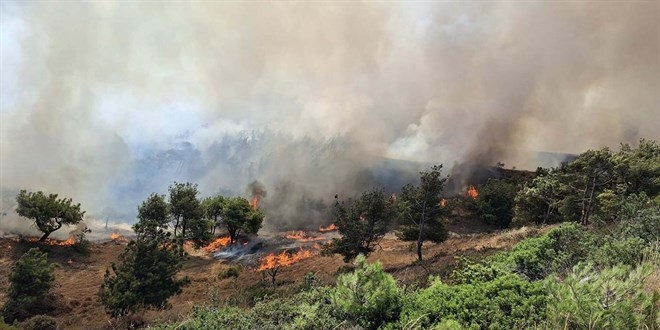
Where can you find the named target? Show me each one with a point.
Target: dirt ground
(79, 277)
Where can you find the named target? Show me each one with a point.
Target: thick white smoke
(106, 102)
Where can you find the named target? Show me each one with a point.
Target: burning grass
(217, 244)
(331, 227)
(301, 236)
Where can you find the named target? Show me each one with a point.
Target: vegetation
(187, 213)
(145, 277)
(361, 224)
(213, 208)
(31, 279)
(421, 212)
(153, 215)
(239, 217)
(48, 212)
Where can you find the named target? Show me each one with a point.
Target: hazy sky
(98, 98)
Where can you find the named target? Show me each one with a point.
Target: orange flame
(217, 244)
(254, 203)
(284, 259)
(118, 238)
(472, 192)
(68, 242)
(331, 227)
(302, 236)
(443, 202)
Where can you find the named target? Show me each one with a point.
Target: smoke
(107, 102)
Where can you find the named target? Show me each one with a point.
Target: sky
(106, 102)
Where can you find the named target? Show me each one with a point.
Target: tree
(153, 214)
(369, 296)
(539, 200)
(213, 209)
(362, 224)
(145, 276)
(240, 217)
(421, 212)
(495, 201)
(593, 171)
(31, 279)
(184, 205)
(48, 212)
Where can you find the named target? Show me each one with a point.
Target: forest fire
(68, 242)
(301, 236)
(115, 237)
(331, 227)
(217, 244)
(254, 202)
(283, 259)
(472, 192)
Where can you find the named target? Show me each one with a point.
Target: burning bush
(272, 263)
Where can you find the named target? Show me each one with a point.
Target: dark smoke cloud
(106, 102)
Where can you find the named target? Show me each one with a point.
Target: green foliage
(48, 212)
(611, 298)
(145, 277)
(421, 213)
(368, 296)
(557, 250)
(232, 271)
(468, 271)
(31, 279)
(539, 200)
(153, 215)
(311, 281)
(362, 224)
(213, 208)
(238, 216)
(495, 202)
(187, 213)
(507, 302)
(40, 322)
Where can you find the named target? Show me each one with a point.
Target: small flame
(217, 244)
(254, 203)
(331, 227)
(443, 202)
(118, 238)
(284, 259)
(472, 192)
(68, 242)
(301, 236)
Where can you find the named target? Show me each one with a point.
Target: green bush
(369, 296)
(557, 250)
(507, 302)
(232, 271)
(30, 281)
(468, 271)
(612, 298)
(495, 202)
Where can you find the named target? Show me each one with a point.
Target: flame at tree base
(217, 244)
(472, 192)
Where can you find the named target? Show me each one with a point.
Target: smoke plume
(106, 102)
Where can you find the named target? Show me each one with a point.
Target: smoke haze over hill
(106, 102)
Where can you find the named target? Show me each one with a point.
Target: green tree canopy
(184, 205)
(239, 217)
(145, 276)
(361, 224)
(31, 279)
(153, 214)
(213, 208)
(421, 212)
(48, 212)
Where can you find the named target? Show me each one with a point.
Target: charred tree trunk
(48, 230)
(176, 225)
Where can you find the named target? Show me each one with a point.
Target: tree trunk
(420, 236)
(547, 214)
(176, 225)
(43, 238)
(588, 202)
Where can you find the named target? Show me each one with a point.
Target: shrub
(232, 271)
(612, 298)
(468, 271)
(507, 302)
(368, 296)
(40, 322)
(30, 280)
(495, 202)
